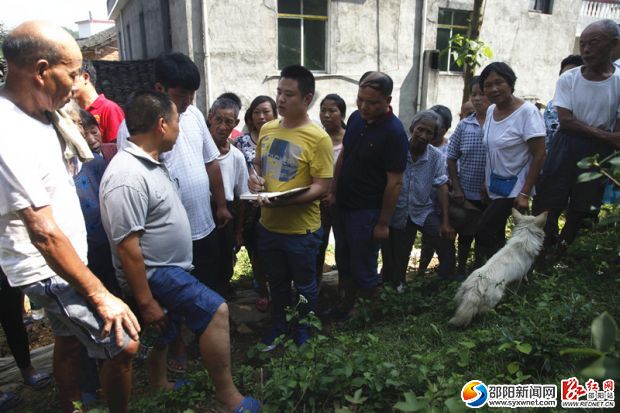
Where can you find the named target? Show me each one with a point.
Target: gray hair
(225, 103)
(425, 116)
(72, 108)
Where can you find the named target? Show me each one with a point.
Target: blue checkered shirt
(415, 200)
(467, 148)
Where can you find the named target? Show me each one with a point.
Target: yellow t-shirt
(290, 158)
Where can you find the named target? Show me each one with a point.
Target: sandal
(8, 400)
(177, 364)
(248, 405)
(38, 380)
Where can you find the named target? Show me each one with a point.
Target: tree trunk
(474, 34)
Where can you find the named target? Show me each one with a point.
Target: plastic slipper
(248, 405)
(39, 380)
(8, 400)
(177, 364)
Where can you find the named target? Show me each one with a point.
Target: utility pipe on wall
(421, 63)
(207, 51)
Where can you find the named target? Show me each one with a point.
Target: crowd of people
(123, 224)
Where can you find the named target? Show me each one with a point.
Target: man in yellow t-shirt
(292, 152)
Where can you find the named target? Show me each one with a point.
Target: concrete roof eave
(115, 10)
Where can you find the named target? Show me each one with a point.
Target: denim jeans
(356, 251)
(290, 257)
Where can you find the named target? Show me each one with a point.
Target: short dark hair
(231, 96)
(445, 115)
(88, 119)
(247, 118)
(503, 70)
(573, 59)
(144, 108)
(378, 81)
(22, 50)
(177, 70)
(340, 103)
(88, 67)
(473, 82)
(304, 78)
(225, 103)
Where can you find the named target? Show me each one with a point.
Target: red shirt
(109, 116)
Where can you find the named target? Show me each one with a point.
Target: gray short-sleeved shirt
(137, 195)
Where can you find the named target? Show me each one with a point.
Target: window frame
(544, 6)
(302, 17)
(451, 27)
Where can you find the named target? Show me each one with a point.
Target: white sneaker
(400, 289)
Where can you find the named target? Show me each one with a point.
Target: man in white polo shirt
(43, 236)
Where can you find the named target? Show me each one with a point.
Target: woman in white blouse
(514, 137)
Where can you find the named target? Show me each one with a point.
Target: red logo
(572, 390)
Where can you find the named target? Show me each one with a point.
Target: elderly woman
(415, 210)
(514, 137)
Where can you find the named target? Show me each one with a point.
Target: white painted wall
(242, 46)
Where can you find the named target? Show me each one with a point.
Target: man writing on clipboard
(292, 152)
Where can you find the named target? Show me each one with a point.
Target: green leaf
(504, 346)
(455, 405)
(603, 368)
(587, 352)
(589, 176)
(358, 381)
(525, 348)
(604, 331)
(348, 370)
(411, 403)
(615, 161)
(589, 162)
(356, 398)
(468, 344)
(513, 367)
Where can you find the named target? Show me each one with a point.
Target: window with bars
(541, 6)
(450, 23)
(302, 33)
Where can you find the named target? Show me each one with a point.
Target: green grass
(399, 347)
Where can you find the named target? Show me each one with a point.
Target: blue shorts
(187, 300)
(70, 314)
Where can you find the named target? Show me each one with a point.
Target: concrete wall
(533, 44)
(241, 51)
(246, 62)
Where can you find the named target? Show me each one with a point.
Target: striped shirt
(467, 148)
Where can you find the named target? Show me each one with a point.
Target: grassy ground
(400, 349)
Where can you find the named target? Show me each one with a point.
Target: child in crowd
(223, 117)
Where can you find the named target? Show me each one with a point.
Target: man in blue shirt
(368, 178)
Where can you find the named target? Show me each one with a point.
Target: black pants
(491, 234)
(205, 252)
(327, 220)
(397, 249)
(11, 308)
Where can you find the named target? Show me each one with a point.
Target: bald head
(35, 40)
(597, 42)
(606, 26)
(378, 81)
